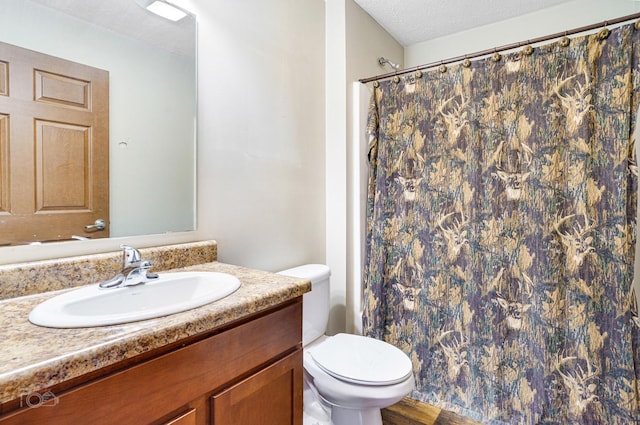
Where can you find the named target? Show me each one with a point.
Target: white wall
(366, 42)
(336, 167)
(565, 16)
(354, 42)
(261, 130)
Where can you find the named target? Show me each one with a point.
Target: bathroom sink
(168, 294)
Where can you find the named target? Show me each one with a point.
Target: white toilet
(352, 376)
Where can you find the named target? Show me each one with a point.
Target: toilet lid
(362, 360)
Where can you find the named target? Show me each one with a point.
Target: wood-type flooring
(412, 412)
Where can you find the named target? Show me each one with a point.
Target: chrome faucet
(134, 270)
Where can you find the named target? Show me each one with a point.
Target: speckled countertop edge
(34, 358)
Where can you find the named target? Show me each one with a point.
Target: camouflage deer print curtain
(501, 232)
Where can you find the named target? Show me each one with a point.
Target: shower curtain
(500, 240)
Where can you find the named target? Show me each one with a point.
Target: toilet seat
(361, 360)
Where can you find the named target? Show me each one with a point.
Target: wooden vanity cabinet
(247, 374)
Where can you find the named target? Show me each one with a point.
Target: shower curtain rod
(511, 46)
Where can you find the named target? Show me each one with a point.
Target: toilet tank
(315, 304)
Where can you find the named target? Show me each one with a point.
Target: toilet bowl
(350, 376)
(357, 376)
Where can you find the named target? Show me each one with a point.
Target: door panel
(62, 182)
(61, 90)
(54, 147)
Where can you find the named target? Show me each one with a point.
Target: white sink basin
(170, 293)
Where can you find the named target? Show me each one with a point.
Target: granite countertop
(34, 358)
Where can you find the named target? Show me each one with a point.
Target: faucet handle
(130, 256)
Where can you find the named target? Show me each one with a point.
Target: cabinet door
(272, 396)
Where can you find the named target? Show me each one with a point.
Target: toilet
(348, 378)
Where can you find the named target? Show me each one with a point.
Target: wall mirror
(152, 100)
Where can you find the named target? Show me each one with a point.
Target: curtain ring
(442, 68)
(496, 56)
(636, 26)
(418, 74)
(396, 79)
(565, 41)
(376, 84)
(466, 63)
(604, 33)
(528, 50)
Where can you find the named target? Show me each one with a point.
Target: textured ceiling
(413, 21)
(408, 21)
(128, 18)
